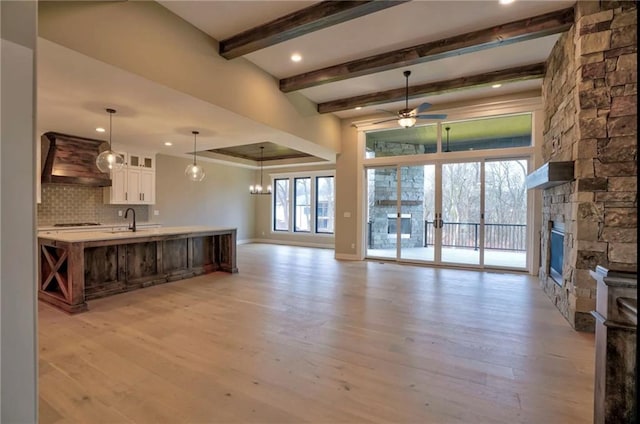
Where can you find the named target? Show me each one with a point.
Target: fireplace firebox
(556, 251)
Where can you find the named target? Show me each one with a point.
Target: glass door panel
(505, 241)
(382, 212)
(417, 212)
(461, 213)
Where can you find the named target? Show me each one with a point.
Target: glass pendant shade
(407, 121)
(193, 171)
(109, 160)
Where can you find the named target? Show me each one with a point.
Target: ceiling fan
(407, 117)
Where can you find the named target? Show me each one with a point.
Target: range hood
(67, 159)
(550, 174)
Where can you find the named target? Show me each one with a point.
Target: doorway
(459, 213)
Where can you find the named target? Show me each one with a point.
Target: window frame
(317, 205)
(274, 183)
(313, 205)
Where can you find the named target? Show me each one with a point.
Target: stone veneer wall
(590, 97)
(63, 203)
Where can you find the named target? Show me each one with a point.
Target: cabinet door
(118, 190)
(141, 161)
(148, 187)
(133, 186)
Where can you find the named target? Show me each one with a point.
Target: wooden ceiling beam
(512, 32)
(313, 18)
(520, 73)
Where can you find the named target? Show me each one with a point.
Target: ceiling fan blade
(421, 108)
(388, 111)
(384, 120)
(431, 116)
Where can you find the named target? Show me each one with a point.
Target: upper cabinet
(141, 161)
(135, 183)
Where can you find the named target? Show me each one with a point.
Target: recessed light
(506, 1)
(296, 57)
(100, 129)
(496, 86)
(358, 107)
(168, 143)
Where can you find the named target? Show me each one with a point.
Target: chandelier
(257, 189)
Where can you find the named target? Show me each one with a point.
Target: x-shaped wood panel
(55, 264)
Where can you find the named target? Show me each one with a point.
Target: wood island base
(81, 267)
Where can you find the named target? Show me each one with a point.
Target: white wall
(221, 199)
(18, 373)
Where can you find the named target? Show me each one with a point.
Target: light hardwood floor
(297, 336)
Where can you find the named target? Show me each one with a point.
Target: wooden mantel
(78, 266)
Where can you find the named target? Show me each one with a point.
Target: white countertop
(105, 234)
(97, 227)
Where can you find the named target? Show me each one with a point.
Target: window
(325, 204)
(281, 205)
(494, 132)
(303, 205)
(304, 202)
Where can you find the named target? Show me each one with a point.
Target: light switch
(156, 212)
(347, 215)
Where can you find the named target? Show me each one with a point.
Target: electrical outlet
(156, 212)
(263, 233)
(119, 213)
(353, 245)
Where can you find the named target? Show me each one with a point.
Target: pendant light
(447, 130)
(257, 189)
(109, 160)
(194, 171)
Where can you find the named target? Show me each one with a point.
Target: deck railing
(467, 234)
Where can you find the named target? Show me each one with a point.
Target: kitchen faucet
(132, 226)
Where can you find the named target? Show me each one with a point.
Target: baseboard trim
(347, 257)
(293, 243)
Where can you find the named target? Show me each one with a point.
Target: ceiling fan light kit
(407, 118)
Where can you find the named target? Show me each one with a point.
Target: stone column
(590, 96)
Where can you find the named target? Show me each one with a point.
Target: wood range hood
(550, 174)
(68, 159)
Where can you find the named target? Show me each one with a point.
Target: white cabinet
(135, 183)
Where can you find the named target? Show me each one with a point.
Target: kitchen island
(78, 266)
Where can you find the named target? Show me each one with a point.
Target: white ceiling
(73, 89)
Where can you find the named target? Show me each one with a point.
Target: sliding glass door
(384, 227)
(417, 212)
(505, 238)
(461, 224)
(470, 213)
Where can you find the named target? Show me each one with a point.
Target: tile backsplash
(63, 203)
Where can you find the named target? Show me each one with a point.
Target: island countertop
(103, 235)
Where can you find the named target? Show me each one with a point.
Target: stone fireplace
(590, 100)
